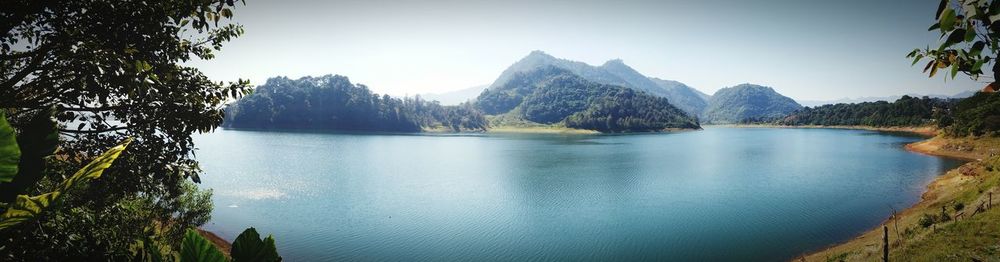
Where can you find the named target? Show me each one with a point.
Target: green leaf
(933, 70)
(38, 139)
(10, 153)
(195, 248)
(977, 48)
(970, 33)
(947, 20)
(26, 208)
(954, 71)
(917, 59)
(941, 6)
(978, 66)
(249, 248)
(955, 37)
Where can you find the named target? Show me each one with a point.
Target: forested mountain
(550, 94)
(333, 103)
(682, 96)
(906, 111)
(747, 101)
(614, 72)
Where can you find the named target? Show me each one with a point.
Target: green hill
(552, 95)
(747, 101)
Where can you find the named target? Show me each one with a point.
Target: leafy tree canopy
(113, 69)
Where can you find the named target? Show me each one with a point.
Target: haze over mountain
(613, 72)
(455, 97)
(551, 95)
(747, 101)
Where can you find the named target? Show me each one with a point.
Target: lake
(720, 194)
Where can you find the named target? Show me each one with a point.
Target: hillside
(683, 96)
(747, 101)
(552, 95)
(906, 111)
(334, 103)
(614, 72)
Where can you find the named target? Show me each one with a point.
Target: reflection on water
(720, 194)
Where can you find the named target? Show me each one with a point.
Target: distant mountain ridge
(613, 72)
(456, 97)
(815, 103)
(747, 101)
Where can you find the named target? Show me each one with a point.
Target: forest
(907, 111)
(334, 103)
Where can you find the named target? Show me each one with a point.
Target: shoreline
(951, 184)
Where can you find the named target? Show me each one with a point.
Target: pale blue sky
(805, 49)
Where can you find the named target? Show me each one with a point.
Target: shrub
(927, 220)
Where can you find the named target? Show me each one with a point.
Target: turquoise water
(721, 194)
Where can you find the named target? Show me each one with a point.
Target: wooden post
(885, 243)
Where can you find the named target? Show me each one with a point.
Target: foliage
(906, 111)
(26, 208)
(332, 102)
(970, 30)
(550, 95)
(10, 153)
(746, 101)
(927, 220)
(111, 69)
(196, 248)
(249, 247)
(958, 206)
(976, 116)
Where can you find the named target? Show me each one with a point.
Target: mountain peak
(615, 62)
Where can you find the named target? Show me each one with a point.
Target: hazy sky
(804, 49)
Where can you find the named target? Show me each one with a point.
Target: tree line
(334, 103)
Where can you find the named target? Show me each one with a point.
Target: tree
(113, 69)
(970, 30)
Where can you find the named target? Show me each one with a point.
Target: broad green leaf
(10, 153)
(248, 247)
(954, 71)
(26, 208)
(195, 248)
(947, 20)
(37, 140)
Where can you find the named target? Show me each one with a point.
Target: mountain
(334, 103)
(614, 72)
(455, 97)
(747, 101)
(553, 95)
(684, 97)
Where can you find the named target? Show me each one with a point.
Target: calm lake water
(721, 194)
